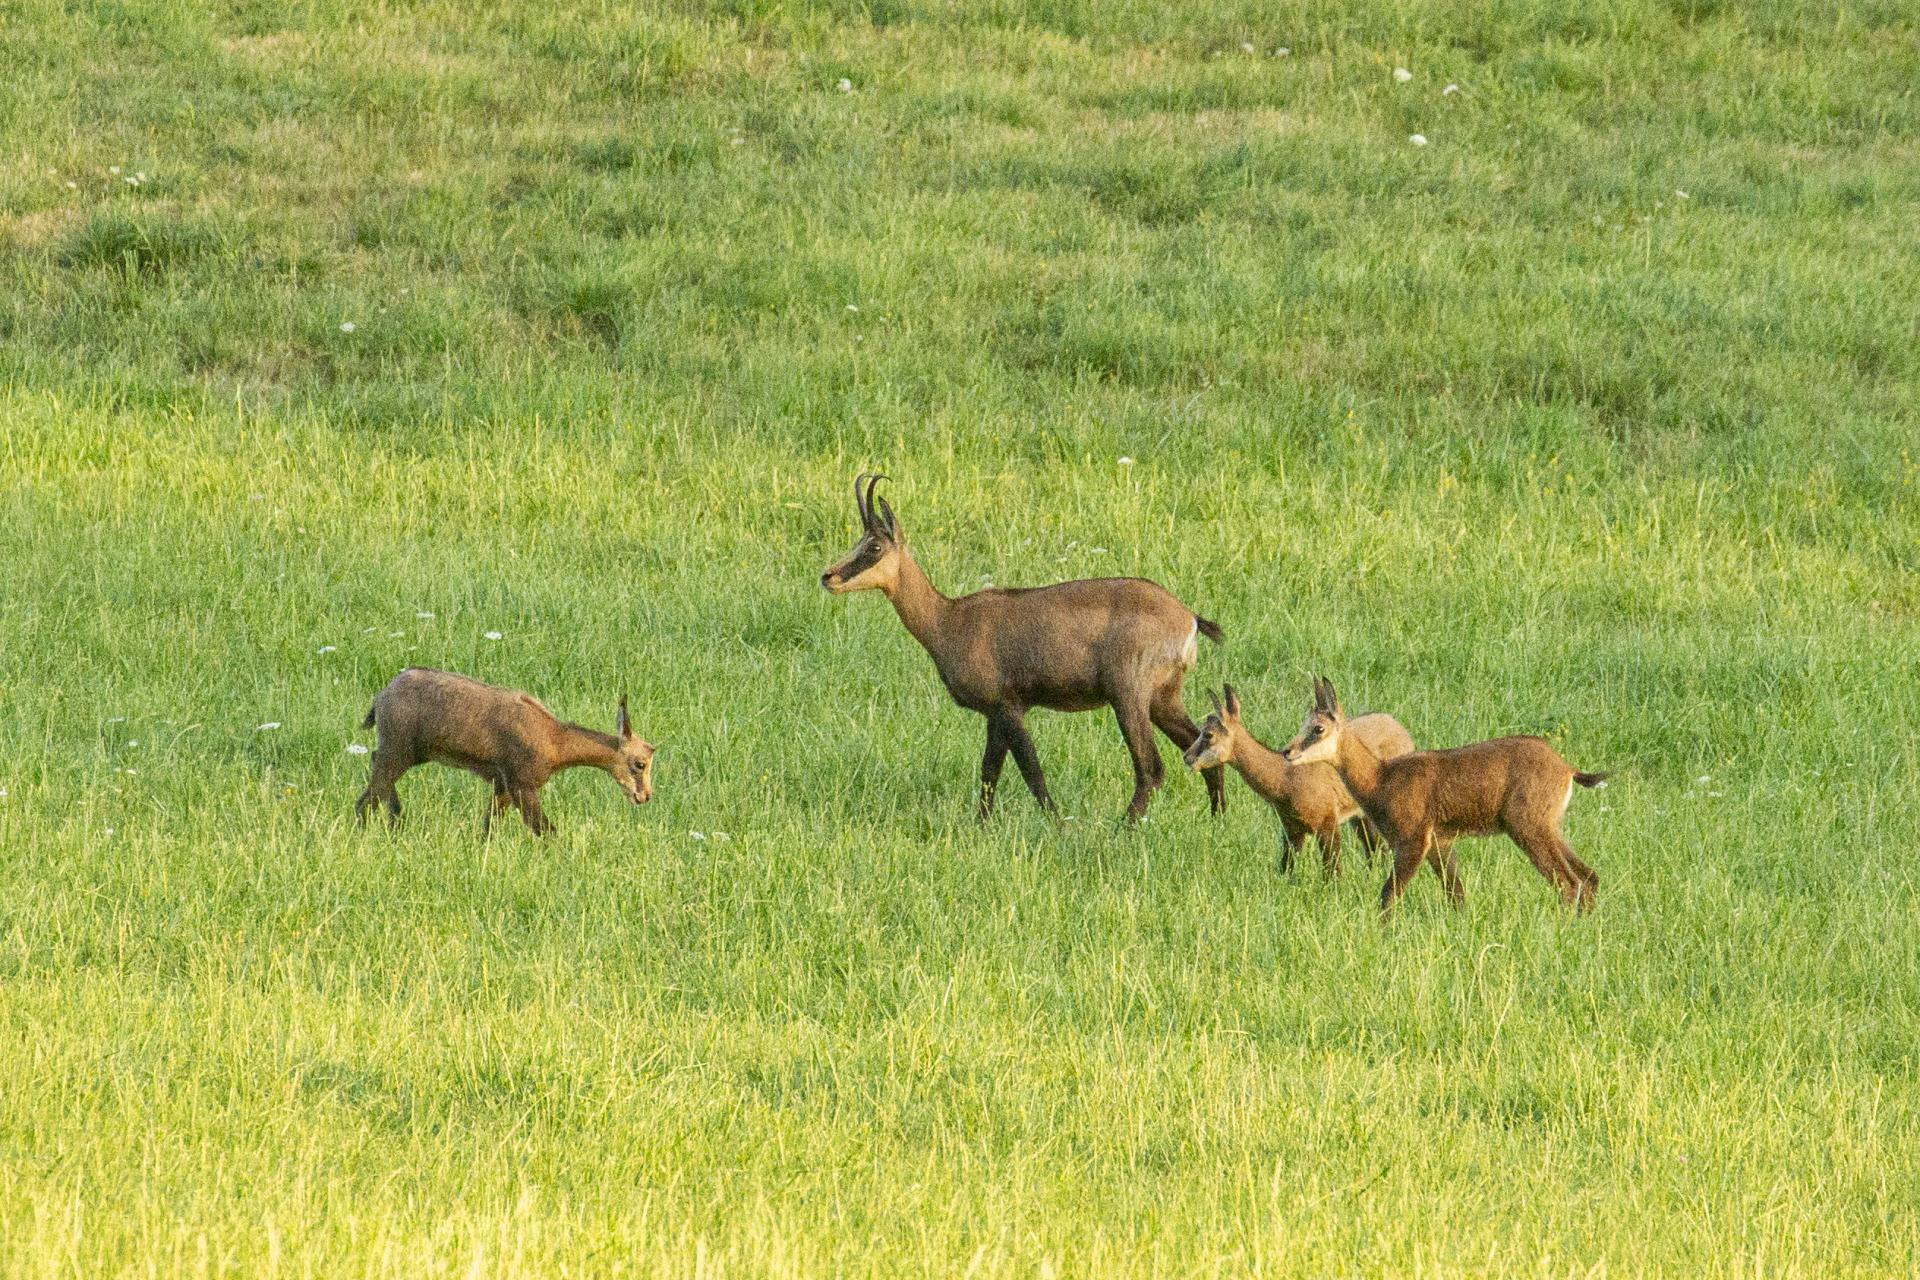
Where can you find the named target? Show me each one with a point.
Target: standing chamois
(1076, 646)
(503, 735)
(1425, 801)
(1310, 798)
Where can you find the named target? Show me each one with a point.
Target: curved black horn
(873, 521)
(860, 499)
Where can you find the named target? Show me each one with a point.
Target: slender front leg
(1447, 867)
(1329, 839)
(1407, 858)
(495, 807)
(529, 801)
(1013, 727)
(1293, 839)
(991, 763)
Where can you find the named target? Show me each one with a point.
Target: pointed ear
(1322, 694)
(1214, 698)
(625, 724)
(891, 525)
(1233, 702)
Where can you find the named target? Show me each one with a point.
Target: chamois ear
(625, 724)
(1233, 701)
(1214, 698)
(1324, 698)
(887, 521)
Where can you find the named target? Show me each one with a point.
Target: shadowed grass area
(333, 339)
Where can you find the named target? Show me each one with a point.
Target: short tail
(1590, 779)
(1210, 629)
(368, 722)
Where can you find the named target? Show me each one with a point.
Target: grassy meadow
(334, 338)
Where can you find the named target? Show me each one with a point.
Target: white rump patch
(1190, 653)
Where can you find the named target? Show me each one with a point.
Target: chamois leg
(1013, 729)
(1543, 847)
(1447, 867)
(536, 819)
(502, 799)
(1293, 835)
(1136, 726)
(1407, 857)
(1171, 718)
(990, 766)
(1328, 837)
(1589, 880)
(388, 767)
(1370, 838)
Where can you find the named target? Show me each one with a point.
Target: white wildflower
(1681, 195)
(1704, 778)
(845, 85)
(346, 326)
(1417, 139)
(114, 169)
(271, 724)
(134, 743)
(1450, 89)
(853, 306)
(1402, 74)
(722, 836)
(1282, 52)
(73, 186)
(493, 635)
(1246, 46)
(698, 835)
(356, 749)
(328, 648)
(1125, 461)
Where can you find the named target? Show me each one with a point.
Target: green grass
(1503, 433)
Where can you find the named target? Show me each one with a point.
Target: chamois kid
(1424, 801)
(1124, 643)
(504, 735)
(1310, 798)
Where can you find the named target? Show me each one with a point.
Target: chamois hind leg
(1407, 857)
(1447, 867)
(1013, 728)
(1171, 718)
(1543, 845)
(1589, 880)
(1136, 726)
(991, 763)
(388, 768)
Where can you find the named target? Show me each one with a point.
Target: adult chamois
(1124, 643)
(1424, 801)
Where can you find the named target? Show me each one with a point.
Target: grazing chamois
(1310, 798)
(1424, 801)
(503, 735)
(1124, 643)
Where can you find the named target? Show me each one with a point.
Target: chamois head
(634, 772)
(875, 559)
(1319, 737)
(1214, 746)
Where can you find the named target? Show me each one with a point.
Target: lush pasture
(1594, 416)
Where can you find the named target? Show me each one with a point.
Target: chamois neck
(1359, 767)
(919, 603)
(1255, 761)
(576, 745)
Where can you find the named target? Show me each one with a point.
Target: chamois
(1310, 798)
(1424, 801)
(1075, 646)
(504, 735)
